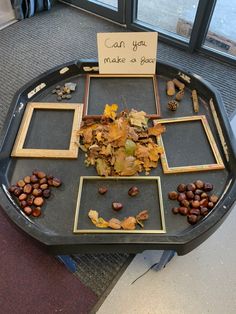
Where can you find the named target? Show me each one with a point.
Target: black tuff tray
(54, 229)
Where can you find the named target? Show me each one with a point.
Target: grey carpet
(33, 46)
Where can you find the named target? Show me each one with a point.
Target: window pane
(113, 3)
(222, 31)
(174, 16)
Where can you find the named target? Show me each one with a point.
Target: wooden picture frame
(108, 230)
(155, 91)
(205, 167)
(72, 152)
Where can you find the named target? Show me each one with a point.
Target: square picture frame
(161, 213)
(155, 92)
(218, 165)
(18, 148)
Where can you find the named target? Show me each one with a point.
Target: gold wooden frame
(72, 152)
(161, 211)
(155, 91)
(219, 162)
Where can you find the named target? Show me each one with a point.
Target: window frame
(199, 32)
(101, 9)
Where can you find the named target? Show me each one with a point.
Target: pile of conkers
(32, 190)
(194, 199)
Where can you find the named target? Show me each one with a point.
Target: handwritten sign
(127, 53)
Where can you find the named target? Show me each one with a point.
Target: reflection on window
(113, 3)
(222, 31)
(173, 16)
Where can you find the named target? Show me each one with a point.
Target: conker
(36, 212)
(38, 201)
(21, 183)
(28, 188)
(204, 195)
(199, 184)
(195, 204)
(183, 211)
(213, 198)
(56, 182)
(207, 187)
(181, 188)
(185, 203)
(175, 210)
(194, 211)
(181, 197)
(204, 211)
(46, 193)
(12, 188)
(27, 179)
(17, 191)
(34, 178)
(192, 219)
(117, 206)
(22, 197)
(102, 190)
(190, 195)
(210, 205)
(173, 195)
(133, 191)
(197, 197)
(191, 187)
(27, 210)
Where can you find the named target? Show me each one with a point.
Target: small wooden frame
(72, 152)
(87, 91)
(205, 167)
(161, 213)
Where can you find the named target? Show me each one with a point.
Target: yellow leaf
(99, 136)
(156, 129)
(110, 111)
(101, 223)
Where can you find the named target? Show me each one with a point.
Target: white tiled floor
(203, 281)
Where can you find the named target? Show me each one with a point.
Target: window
(176, 17)
(221, 35)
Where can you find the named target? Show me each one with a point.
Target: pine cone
(173, 105)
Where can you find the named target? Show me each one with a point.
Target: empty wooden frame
(191, 168)
(155, 93)
(160, 211)
(71, 152)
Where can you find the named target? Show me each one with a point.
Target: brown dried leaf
(129, 223)
(143, 215)
(102, 167)
(141, 151)
(114, 223)
(154, 151)
(156, 130)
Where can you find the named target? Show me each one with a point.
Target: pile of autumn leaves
(120, 144)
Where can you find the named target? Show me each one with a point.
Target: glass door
(111, 9)
(221, 35)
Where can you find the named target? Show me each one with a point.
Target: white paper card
(127, 53)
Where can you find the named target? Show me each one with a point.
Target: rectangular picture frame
(18, 148)
(155, 91)
(99, 230)
(193, 168)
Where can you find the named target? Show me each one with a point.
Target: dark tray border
(57, 244)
